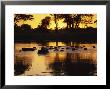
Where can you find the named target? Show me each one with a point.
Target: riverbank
(80, 35)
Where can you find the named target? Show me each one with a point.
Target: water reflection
(21, 65)
(72, 66)
(67, 62)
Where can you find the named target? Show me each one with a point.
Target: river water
(63, 62)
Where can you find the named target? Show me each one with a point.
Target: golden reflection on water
(32, 64)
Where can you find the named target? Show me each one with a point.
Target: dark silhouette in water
(29, 49)
(94, 47)
(56, 49)
(43, 51)
(20, 67)
(61, 50)
(85, 48)
(57, 66)
(73, 49)
(73, 67)
(79, 68)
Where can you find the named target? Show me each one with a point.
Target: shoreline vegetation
(77, 28)
(77, 35)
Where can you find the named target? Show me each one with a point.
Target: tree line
(72, 21)
(72, 31)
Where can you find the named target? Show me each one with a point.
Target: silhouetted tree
(56, 17)
(25, 27)
(18, 17)
(45, 23)
(16, 27)
(24, 17)
(77, 20)
(68, 18)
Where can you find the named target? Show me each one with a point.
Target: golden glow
(38, 17)
(54, 44)
(34, 22)
(94, 25)
(61, 24)
(39, 64)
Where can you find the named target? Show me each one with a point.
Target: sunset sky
(38, 17)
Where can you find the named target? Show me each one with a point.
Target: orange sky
(38, 17)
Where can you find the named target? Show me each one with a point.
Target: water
(61, 62)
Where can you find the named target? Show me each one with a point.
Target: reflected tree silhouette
(21, 65)
(72, 66)
(57, 66)
(80, 67)
(20, 68)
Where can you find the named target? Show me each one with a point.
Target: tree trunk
(72, 25)
(67, 25)
(56, 22)
(56, 43)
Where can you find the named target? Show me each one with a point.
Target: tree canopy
(72, 20)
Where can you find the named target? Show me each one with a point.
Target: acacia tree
(73, 20)
(68, 19)
(77, 20)
(56, 18)
(18, 17)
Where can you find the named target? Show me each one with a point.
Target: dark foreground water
(62, 62)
